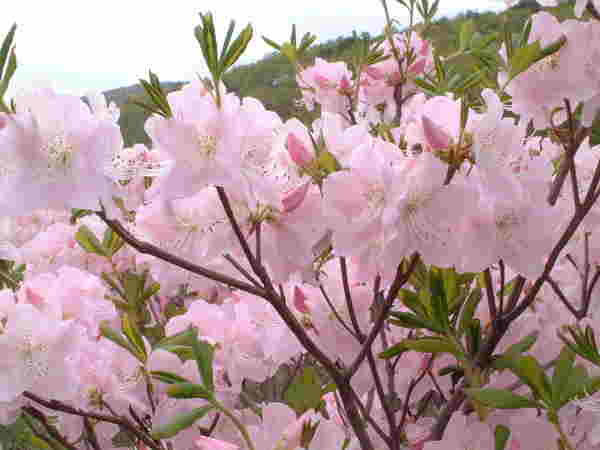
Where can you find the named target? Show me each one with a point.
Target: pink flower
(206, 443)
(54, 151)
(34, 350)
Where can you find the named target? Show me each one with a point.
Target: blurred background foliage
(271, 79)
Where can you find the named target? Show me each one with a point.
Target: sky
(78, 46)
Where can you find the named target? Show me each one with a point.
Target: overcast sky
(80, 45)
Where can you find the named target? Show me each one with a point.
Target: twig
(357, 331)
(121, 421)
(149, 249)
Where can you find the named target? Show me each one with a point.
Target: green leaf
(500, 398)
(133, 284)
(523, 58)
(228, 37)
(118, 339)
(528, 369)
(180, 422)
(168, 377)
(271, 43)
(237, 48)
(112, 242)
(133, 335)
(468, 310)
(182, 338)
(305, 391)
(293, 36)
(204, 354)
(189, 390)
(394, 350)
(563, 369)
(430, 345)
(288, 50)
(407, 320)
(6, 46)
(524, 345)
(501, 435)
(10, 71)
(328, 162)
(89, 242)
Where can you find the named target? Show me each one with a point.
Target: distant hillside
(272, 81)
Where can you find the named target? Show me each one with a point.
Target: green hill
(272, 81)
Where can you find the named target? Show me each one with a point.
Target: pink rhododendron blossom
(54, 153)
(35, 347)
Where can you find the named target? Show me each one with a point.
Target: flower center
(59, 153)
(207, 145)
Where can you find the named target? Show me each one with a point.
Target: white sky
(80, 45)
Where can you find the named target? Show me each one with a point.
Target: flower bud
(298, 152)
(300, 300)
(435, 136)
(293, 199)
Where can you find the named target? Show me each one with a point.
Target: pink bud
(293, 199)
(298, 152)
(435, 136)
(206, 443)
(322, 82)
(425, 48)
(3, 120)
(418, 66)
(300, 300)
(345, 84)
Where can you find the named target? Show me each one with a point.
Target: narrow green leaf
(500, 398)
(182, 338)
(271, 43)
(10, 71)
(430, 345)
(188, 390)
(180, 422)
(6, 46)
(237, 48)
(168, 377)
(228, 37)
(204, 354)
(112, 242)
(468, 310)
(563, 369)
(293, 36)
(118, 339)
(89, 242)
(133, 335)
(523, 58)
(501, 435)
(407, 320)
(305, 391)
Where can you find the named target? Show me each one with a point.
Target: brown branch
(51, 430)
(398, 282)
(349, 304)
(149, 249)
(121, 421)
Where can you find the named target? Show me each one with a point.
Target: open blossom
(54, 151)
(543, 87)
(354, 201)
(424, 215)
(34, 349)
(327, 84)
